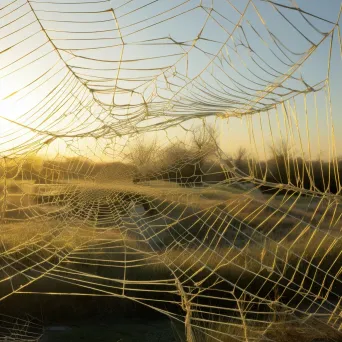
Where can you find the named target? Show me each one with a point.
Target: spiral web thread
(232, 246)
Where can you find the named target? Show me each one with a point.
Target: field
(127, 242)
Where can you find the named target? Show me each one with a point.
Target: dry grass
(312, 330)
(76, 240)
(56, 232)
(303, 241)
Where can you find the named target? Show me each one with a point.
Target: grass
(13, 186)
(71, 253)
(277, 330)
(238, 271)
(139, 330)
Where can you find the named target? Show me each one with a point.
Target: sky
(87, 74)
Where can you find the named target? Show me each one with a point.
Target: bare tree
(143, 154)
(176, 153)
(181, 164)
(240, 155)
(240, 159)
(283, 166)
(205, 138)
(280, 150)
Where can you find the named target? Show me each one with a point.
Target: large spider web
(234, 247)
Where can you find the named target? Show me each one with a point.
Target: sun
(12, 133)
(9, 114)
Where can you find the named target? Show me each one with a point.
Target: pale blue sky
(150, 30)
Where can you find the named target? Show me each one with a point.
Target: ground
(129, 330)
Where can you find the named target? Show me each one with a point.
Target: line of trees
(192, 164)
(181, 163)
(38, 170)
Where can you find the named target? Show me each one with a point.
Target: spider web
(235, 247)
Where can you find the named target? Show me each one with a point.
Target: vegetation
(193, 165)
(277, 330)
(260, 244)
(186, 164)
